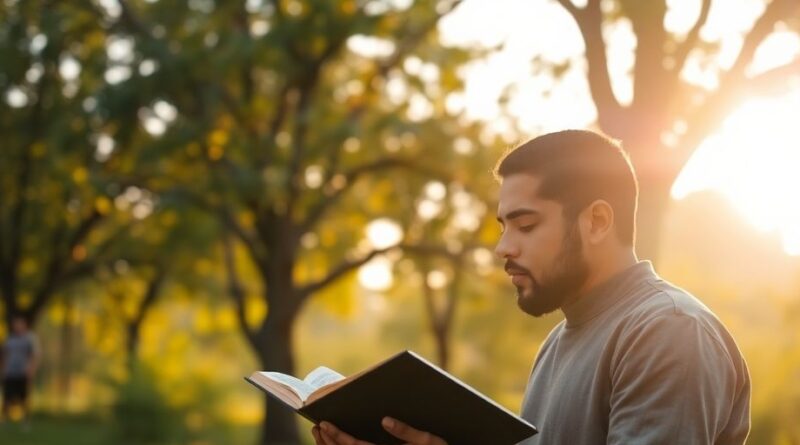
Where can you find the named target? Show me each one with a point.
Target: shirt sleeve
(673, 381)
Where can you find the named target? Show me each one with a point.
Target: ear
(597, 222)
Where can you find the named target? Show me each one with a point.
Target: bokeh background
(193, 190)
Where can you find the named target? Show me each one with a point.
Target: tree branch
(352, 175)
(573, 10)
(340, 270)
(150, 295)
(691, 39)
(381, 69)
(590, 22)
(299, 131)
(734, 86)
(54, 274)
(776, 11)
(229, 221)
(710, 115)
(349, 265)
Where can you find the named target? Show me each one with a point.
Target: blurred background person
(20, 359)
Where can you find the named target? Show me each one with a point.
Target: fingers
(412, 436)
(318, 440)
(331, 435)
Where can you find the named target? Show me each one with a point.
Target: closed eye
(528, 228)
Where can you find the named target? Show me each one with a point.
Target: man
(19, 358)
(636, 360)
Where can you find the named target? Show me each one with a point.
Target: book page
(322, 376)
(301, 388)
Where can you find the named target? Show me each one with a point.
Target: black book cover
(412, 390)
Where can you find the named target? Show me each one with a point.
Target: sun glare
(754, 161)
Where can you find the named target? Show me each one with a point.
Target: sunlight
(383, 233)
(376, 275)
(753, 161)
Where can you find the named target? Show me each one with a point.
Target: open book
(295, 392)
(406, 387)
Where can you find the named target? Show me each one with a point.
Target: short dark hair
(578, 167)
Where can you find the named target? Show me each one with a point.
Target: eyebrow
(517, 213)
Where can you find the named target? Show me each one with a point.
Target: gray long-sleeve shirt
(638, 361)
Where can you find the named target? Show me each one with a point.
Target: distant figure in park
(19, 359)
(636, 360)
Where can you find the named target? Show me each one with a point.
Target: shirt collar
(601, 297)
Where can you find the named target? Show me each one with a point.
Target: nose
(505, 248)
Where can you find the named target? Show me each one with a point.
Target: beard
(568, 274)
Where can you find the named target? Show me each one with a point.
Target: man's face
(542, 251)
(19, 325)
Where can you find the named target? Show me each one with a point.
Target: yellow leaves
(217, 140)
(169, 218)
(226, 319)
(103, 205)
(240, 410)
(203, 321)
(318, 45)
(80, 175)
(256, 310)
(95, 39)
(295, 8)
(38, 150)
(340, 298)
(203, 266)
(246, 218)
(489, 234)
(193, 149)
(25, 299)
(348, 7)
(260, 106)
(327, 237)
(218, 137)
(215, 152)
(61, 312)
(57, 314)
(225, 122)
(178, 342)
(28, 266)
(79, 253)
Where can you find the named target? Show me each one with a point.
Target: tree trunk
(654, 197)
(275, 353)
(9, 308)
(66, 351)
(134, 327)
(656, 169)
(131, 345)
(442, 347)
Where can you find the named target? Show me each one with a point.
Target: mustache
(513, 268)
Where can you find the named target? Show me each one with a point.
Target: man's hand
(327, 434)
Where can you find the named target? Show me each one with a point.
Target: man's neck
(610, 266)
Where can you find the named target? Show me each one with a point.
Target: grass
(43, 430)
(46, 429)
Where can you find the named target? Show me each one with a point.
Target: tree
(61, 210)
(298, 118)
(664, 103)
